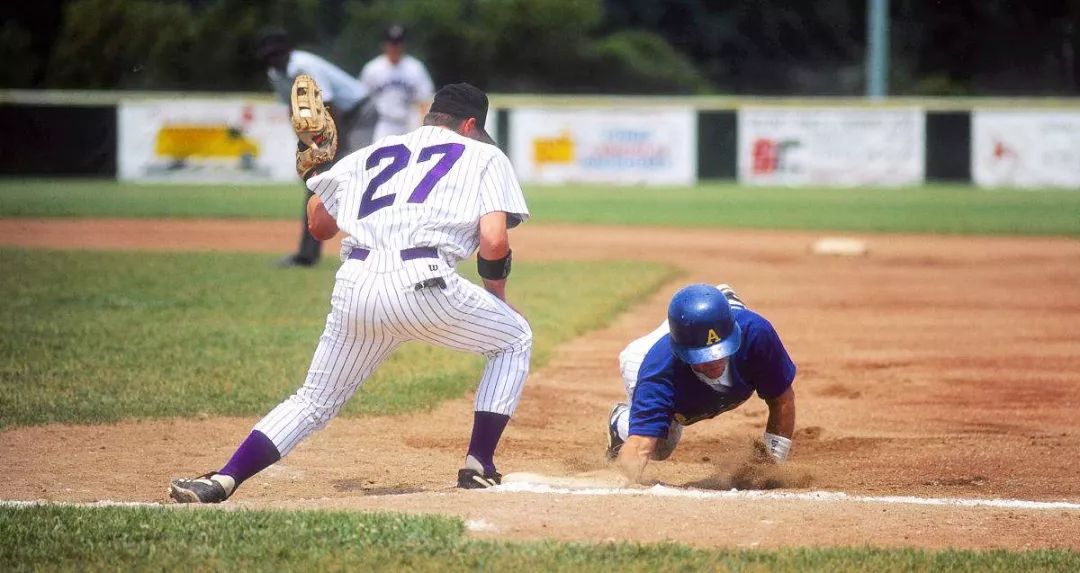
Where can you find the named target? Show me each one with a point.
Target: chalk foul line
(818, 496)
(658, 491)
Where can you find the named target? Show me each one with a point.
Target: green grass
(99, 336)
(954, 209)
(931, 209)
(113, 538)
(104, 198)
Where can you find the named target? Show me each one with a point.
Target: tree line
(958, 47)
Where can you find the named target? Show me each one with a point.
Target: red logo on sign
(767, 155)
(1001, 151)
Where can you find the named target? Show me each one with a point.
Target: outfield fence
(149, 136)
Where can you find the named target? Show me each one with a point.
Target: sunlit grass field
(113, 538)
(102, 336)
(952, 209)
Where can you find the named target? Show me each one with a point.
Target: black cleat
(468, 478)
(202, 489)
(614, 442)
(474, 476)
(733, 299)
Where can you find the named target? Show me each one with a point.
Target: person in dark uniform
(346, 97)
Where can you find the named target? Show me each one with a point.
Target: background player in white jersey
(399, 85)
(412, 206)
(344, 94)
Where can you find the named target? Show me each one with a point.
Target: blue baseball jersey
(668, 389)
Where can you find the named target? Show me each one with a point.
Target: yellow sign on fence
(554, 150)
(180, 140)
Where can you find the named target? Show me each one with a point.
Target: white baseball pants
(375, 307)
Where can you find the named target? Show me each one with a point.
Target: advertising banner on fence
(627, 146)
(1025, 148)
(209, 141)
(831, 146)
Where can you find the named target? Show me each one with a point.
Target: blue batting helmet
(702, 329)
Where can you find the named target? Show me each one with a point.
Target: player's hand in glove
(314, 126)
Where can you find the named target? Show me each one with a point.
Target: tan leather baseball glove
(313, 125)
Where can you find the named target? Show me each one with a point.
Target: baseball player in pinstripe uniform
(412, 207)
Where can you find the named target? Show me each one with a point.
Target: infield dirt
(932, 366)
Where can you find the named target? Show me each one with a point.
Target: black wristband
(494, 270)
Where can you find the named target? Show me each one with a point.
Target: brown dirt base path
(933, 367)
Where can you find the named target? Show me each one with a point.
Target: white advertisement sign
(831, 146)
(1025, 148)
(625, 146)
(209, 141)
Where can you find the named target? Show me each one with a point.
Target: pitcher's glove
(313, 125)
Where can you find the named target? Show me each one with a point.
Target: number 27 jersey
(426, 188)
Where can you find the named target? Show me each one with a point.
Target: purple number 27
(399, 156)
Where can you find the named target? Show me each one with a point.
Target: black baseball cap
(464, 101)
(395, 34)
(272, 41)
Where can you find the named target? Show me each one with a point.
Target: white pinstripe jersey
(426, 188)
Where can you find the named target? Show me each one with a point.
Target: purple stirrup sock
(253, 456)
(486, 431)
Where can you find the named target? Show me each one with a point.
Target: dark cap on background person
(464, 101)
(395, 34)
(272, 41)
